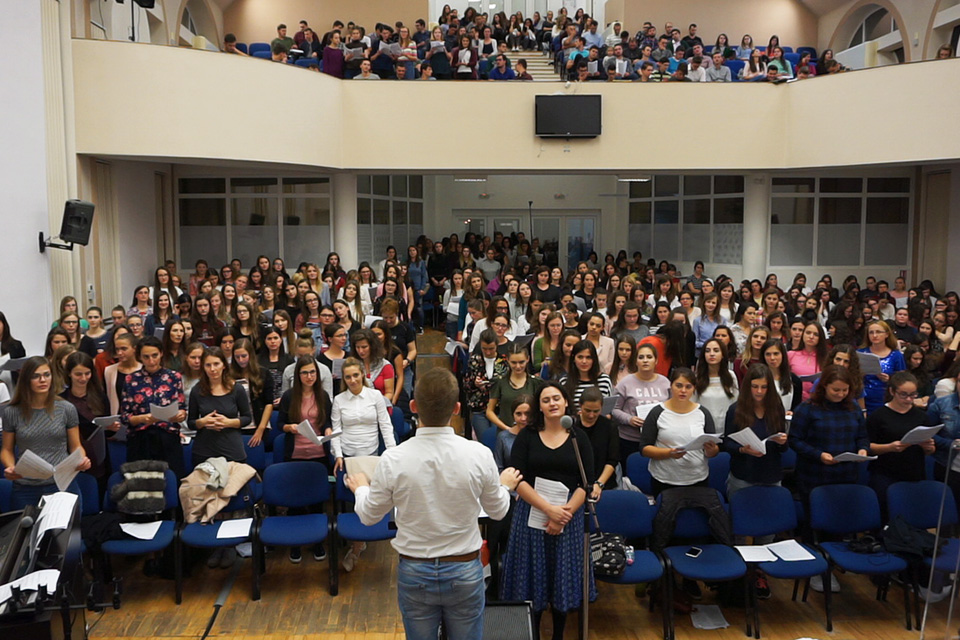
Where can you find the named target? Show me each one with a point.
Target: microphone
(567, 423)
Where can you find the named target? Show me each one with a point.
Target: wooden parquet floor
(295, 604)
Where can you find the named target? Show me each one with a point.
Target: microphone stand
(590, 512)
(951, 457)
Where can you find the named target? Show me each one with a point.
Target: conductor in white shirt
(438, 481)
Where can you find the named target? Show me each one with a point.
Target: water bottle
(629, 555)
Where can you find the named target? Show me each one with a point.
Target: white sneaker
(935, 596)
(349, 561)
(816, 583)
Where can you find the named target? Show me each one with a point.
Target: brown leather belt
(466, 557)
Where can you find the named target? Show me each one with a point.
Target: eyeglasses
(46, 375)
(309, 372)
(907, 396)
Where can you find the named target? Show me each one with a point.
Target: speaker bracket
(55, 245)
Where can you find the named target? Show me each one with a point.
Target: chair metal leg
(806, 590)
(668, 599)
(796, 587)
(255, 569)
(333, 559)
(827, 596)
(663, 607)
(178, 567)
(907, 585)
(747, 581)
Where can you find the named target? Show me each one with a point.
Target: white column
(343, 193)
(953, 233)
(756, 224)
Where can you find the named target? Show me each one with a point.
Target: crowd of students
(678, 356)
(478, 46)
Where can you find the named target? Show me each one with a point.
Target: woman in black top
(545, 566)
(85, 393)
(8, 344)
(219, 408)
(273, 359)
(259, 387)
(886, 426)
(604, 439)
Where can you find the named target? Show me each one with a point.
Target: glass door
(565, 240)
(581, 237)
(506, 226)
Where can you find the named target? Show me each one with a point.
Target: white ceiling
(818, 7)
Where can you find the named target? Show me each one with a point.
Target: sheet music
(608, 404)
(869, 363)
(554, 493)
(306, 430)
(755, 553)
(790, 551)
(920, 434)
(96, 445)
(337, 371)
(47, 578)
(66, 471)
(141, 530)
(32, 466)
(106, 421)
(55, 513)
(166, 413)
(644, 409)
(366, 465)
(592, 66)
(697, 443)
(234, 528)
(852, 457)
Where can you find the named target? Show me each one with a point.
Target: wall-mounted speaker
(74, 228)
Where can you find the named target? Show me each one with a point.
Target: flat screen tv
(568, 116)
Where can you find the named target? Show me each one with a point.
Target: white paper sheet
(748, 438)
(106, 421)
(66, 471)
(453, 307)
(554, 493)
(451, 347)
(608, 404)
(847, 456)
(920, 434)
(337, 371)
(234, 528)
(755, 553)
(166, 413)
(55, 512)
(708, 616)
(47, 578)
(790, 551)
(13, 364)
(869, 363)
(367, 465)
(592, 66)
(697, 443)
(307, 432)
(644, 409)
(141, 530)
(32, 466)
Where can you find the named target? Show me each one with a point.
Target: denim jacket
(945, 410)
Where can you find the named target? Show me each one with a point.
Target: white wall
(136, 197)
(25, 292)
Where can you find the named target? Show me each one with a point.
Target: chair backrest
(278, 444)
(489, 437)
(310, 479)
(919, 503)
(242, 47)
(343, 494)
(787, 50)
(188, 457)
(735, 66)
(89, 494)
(625, 512)
(306, 62)
(118, 454)
(762, 511)
(693, 522)
(792, 58)
(262, 54)
(844, 508)
(257, 47)
(810, 50)
(256, 456)
(639, 472)
(6, 491)
(171, 495)
(709, 48)
(719, 471)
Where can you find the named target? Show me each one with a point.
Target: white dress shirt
(438, 482)
(361, 416)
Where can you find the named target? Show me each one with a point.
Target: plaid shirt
(141, 389)
(832, 428)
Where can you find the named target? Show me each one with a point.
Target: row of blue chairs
(313, 488)
(835, 511)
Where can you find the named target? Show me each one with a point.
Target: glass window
(696, 230)
(794, 185)
(887, 231)
(253, 228)
(641, 189)
(364, 229)
(416, 187)
(696, 185)
(841, 185)
(666, 186)
(203, 230)
(399, 186)
(791, 231)
(728, 184)
(382, 237)
(888, 185)
(666, 242)
(381, 185)
(838, 234)
(728, 230)
(306, 185)
(306, 229)
(363, 184)
(253, 185)
(203, 185)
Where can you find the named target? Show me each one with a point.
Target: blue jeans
(408, 380)
(479, 423)
(429, 592)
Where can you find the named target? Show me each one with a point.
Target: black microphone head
(566, 422)
(26, 522)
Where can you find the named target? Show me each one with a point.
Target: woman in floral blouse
(485, 368)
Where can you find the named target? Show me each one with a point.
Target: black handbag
(608, 553)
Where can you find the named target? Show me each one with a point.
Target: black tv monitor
(568, 116)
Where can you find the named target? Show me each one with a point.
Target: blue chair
(719, 471)
(843, 510)
(631, 515)
(708, 49)
(265, 55)
(188, 457)
(767, 510)
(489, 437)
(400, 426)
(639, 473)
(299, 530)
(792, 58)
(275, 429)
(716, 562)
(278, 445)
(204, 536)
(810, 50)
(163, 537)
(6, 491)
(89, 494)
(786, 50)
(242, 47)
(348, 525)
(307, 62)
(259, 47)
(735, 67)
(256, 456)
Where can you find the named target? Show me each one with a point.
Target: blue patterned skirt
(545, 569)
